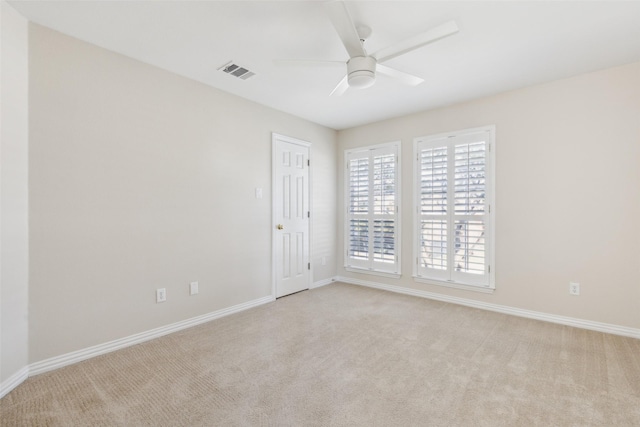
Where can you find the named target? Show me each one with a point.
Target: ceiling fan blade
(307, 63)
(405, 78)
(341, 88)
(341, 20)
(417, 41)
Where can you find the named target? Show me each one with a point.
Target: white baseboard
(87, 353)
(322, 283)
(96, 350)
(537, 315)
(13, 381)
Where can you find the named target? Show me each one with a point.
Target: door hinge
(488, 269)
(308, 214)
(309, 266)
(489, 208)
(308, 162)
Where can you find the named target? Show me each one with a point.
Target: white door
(290, 215)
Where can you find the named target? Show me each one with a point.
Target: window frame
(450, 278)
(369, 266)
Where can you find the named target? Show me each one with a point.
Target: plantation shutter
(433, 209)
(372, 209)
(453, 208)
(358, 244)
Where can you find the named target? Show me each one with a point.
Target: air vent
(236, 70)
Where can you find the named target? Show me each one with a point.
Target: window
(454, 196)
(372, 198)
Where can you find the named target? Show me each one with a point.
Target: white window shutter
(453, 193)
(469, 191)
(372, 232)
(433, 199)
(359, 209)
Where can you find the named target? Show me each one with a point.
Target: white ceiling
(500, 46)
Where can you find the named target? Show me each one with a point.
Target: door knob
(280, 227)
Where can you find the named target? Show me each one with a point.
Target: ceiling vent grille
(236, 70)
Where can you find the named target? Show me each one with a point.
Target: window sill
(373, 272)
(454, 285)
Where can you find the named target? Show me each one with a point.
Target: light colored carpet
(344, 355)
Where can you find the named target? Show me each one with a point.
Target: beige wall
(13, 193)
(567, 199)
(141, 179)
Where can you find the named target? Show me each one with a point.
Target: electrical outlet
(193, 288)
(161, 295)
(574, 288)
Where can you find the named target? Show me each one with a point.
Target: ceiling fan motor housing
(361, 71)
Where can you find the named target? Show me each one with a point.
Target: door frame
(274, 138)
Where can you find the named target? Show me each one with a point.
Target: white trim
(96, 350)
(13, 381)
(462, 132)
(493, 207)
(530, 314)
(473, 288)
(373, 272)
(324, 282)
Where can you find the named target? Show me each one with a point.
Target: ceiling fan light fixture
(361, 72)
(361, 79)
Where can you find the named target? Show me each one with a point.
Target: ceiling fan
(362, 67)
